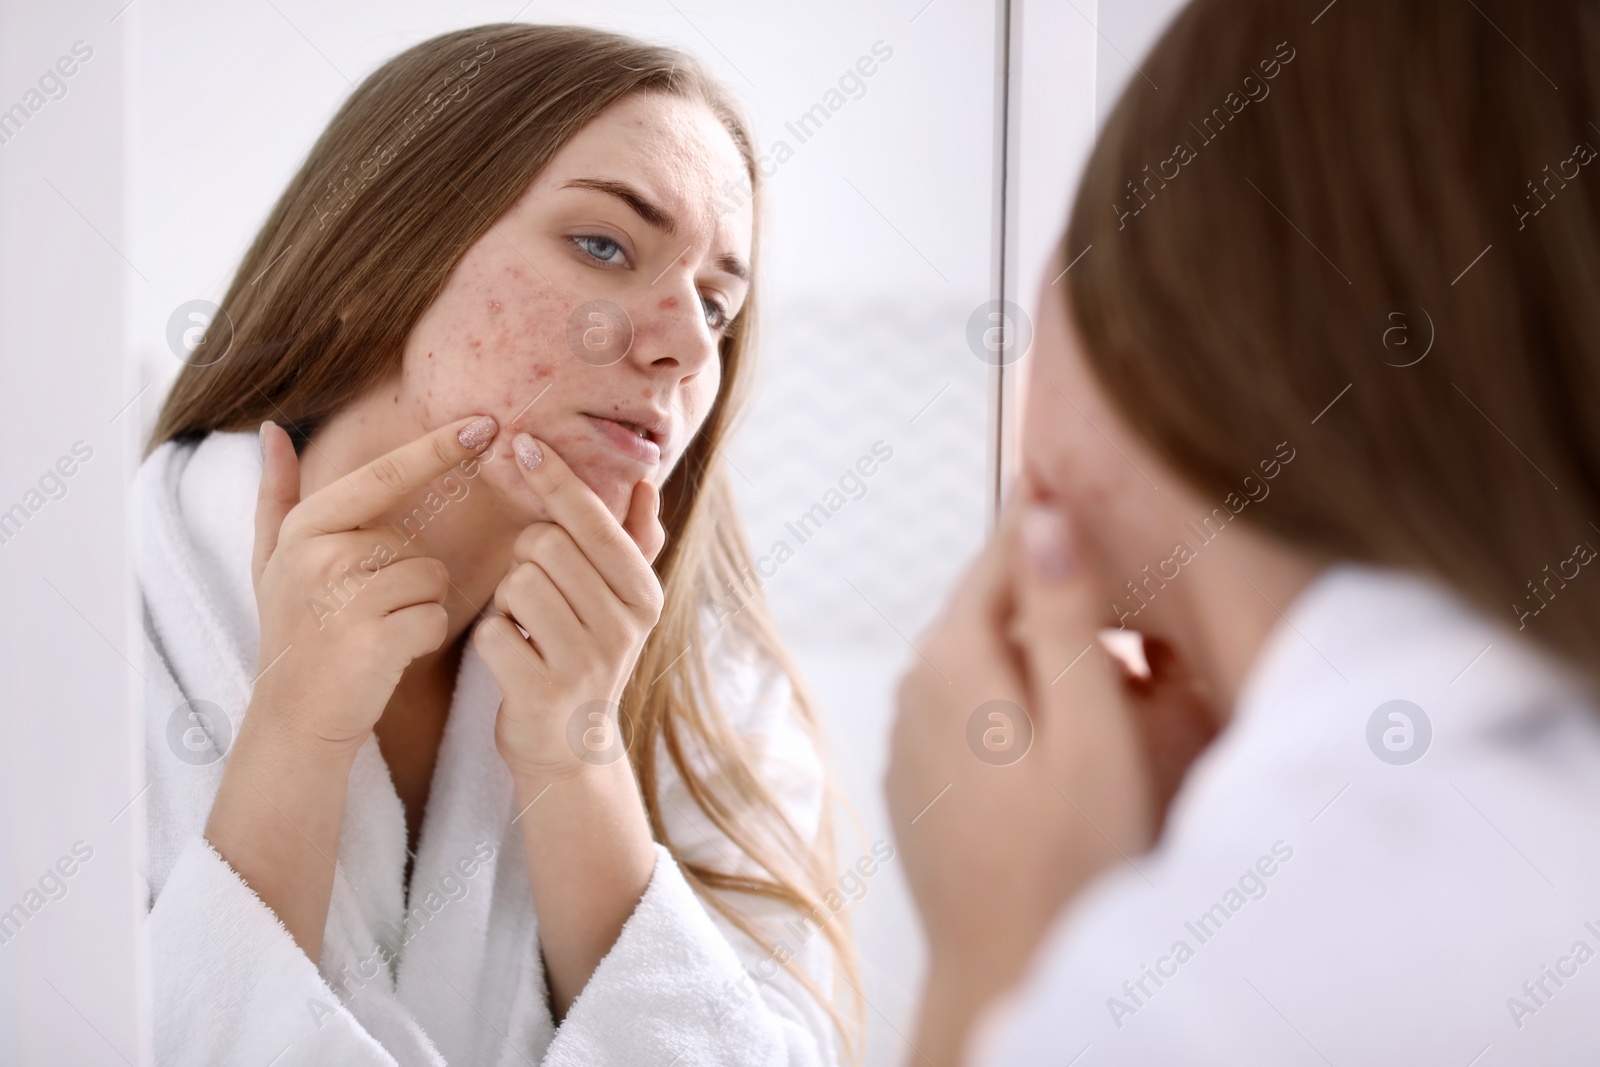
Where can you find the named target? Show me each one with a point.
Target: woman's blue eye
(602, 248)
(716, 315)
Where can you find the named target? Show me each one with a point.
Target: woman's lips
(626, 441)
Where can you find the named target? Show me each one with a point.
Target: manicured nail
(476, 434)
(527, 451)
(261, 439)
(1047, 540)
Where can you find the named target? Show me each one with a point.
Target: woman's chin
(613, 487)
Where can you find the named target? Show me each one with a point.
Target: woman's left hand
(582, 587)
(1019, 765)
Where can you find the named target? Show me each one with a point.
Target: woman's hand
(330, 659)
(345, 609)
(997, 834)
(582, 587)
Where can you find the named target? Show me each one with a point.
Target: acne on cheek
(510, 347)
(505, 387)
(519, 398)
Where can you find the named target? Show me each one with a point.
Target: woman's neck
(1223, 617)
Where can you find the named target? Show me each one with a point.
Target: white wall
(1128, 28)
(69, 765)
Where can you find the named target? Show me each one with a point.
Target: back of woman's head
(1372, 231)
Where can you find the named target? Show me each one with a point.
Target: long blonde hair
(422, 158)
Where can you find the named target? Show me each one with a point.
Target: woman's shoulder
(194, 528)
(196, 498)
(1388, 667)
(221, 456)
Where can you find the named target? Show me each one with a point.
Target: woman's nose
(672, 330)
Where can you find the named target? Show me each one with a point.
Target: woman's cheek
(521, 354)
(446, 390)
(492, 342)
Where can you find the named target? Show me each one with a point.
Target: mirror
(865, 468)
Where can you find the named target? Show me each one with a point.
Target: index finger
(579, 511)
(366, 493)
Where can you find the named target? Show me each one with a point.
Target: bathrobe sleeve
(230, 987)
(682, 985)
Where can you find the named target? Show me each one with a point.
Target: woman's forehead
(674, 149)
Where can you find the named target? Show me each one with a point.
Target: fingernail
(1047, 540)
(476, 434)
(261, 440)
(528, 453)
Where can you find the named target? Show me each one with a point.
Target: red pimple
(475, 344)
(668, 303)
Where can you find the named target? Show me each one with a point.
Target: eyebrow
(734, 266)
(642, 206)
(654, 215)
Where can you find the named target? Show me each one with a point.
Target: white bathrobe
(455, 977)
(1346, 880)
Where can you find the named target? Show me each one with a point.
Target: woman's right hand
(343, 609)
(325, 676)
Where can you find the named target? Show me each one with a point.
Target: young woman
(1314, 412)
(452, 762)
